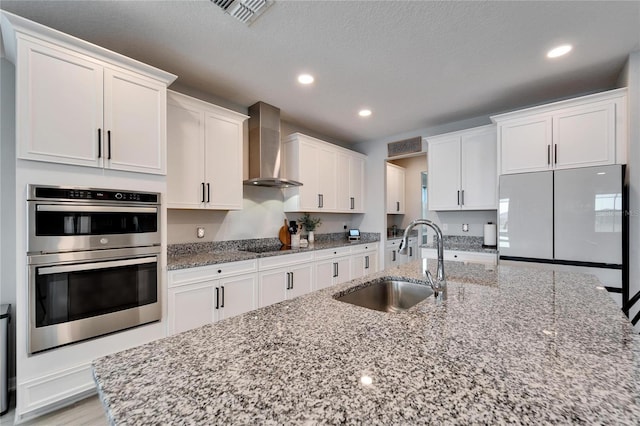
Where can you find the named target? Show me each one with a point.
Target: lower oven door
(77, 296)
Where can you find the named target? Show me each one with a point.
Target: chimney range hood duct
(264, 148)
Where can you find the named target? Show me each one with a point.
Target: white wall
(7, 197)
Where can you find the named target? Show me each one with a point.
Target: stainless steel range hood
(265, 156)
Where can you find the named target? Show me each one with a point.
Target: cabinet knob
(219, 271)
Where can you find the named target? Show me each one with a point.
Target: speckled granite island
(512, 345)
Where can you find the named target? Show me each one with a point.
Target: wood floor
(88, 412)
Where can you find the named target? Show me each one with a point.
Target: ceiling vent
(245, 11)
(403, 147)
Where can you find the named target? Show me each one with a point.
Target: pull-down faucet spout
(439, 282)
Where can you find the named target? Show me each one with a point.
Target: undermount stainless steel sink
(388, 295)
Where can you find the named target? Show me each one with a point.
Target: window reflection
(503, 222)
(608, 213)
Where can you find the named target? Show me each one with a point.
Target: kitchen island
(510, 344)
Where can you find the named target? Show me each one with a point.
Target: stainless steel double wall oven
(94, 263)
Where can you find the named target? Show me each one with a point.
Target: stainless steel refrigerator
(564, 217)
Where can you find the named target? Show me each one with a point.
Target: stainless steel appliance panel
(588, 214)
(77, 296)
(525, 215)
(73, 219)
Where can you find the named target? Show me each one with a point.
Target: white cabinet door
(273, 286)
(358, 265)
(190, 306)
(395, 189)
(462, 170)
(301, 280)
(237, 295)
(74, 109)
(59, 116)
(412, 250)
(363, 264)
(325, 271)
(479, 179)
(309, 175)
(371, 262)
(332, 271)
(223, 162)
(444, 174)
(581, 132)
(391, 257)
(135, 119)
(330, 184)
(584, 136)
(356, 184)
(185, 151)
(285, 283)
(205, 155)
(343, 270)
(343, 184)
(526, 144)
(326, 159)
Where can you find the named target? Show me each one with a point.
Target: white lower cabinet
(203, 295)
(333, 266)
(284, 277)
(364, 260)
(393, 258)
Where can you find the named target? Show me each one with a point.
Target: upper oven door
(60, 226)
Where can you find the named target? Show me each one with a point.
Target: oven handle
(94, 209)
(95, 265)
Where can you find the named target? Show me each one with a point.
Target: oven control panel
(89, 194)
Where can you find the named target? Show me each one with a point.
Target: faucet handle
(429, 279)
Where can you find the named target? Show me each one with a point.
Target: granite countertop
(213, 257)
(461, 243)
(509, 345)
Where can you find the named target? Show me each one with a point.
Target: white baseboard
(54, 391)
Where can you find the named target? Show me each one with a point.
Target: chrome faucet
(440, 283)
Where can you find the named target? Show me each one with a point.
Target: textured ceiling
(416, 64)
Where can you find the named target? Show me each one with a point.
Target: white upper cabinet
(205, 155)
(462, 170)
(79, 104)
(586, 131)
(135, 120)
(395, 189)
(332, 177)
(356, 183)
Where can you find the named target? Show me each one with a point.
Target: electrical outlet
(200, 232)
(465, 227)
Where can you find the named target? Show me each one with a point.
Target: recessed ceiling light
(559, 51)
(305, 79)
(364, 113)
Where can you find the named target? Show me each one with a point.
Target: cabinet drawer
(462, 256)
(284, 260)
(362, 248)
(210, 272)
(334, 252)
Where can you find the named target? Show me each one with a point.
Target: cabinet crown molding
(15, 27)
(554, 106)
